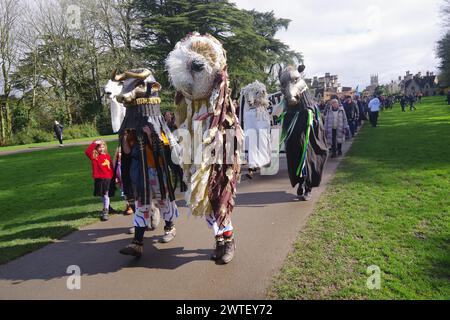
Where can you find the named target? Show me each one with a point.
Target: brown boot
(230, 248)
(219, 251)
(135, 249)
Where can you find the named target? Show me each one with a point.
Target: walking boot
(219, 250)
(134, 249)
(105, 215)
(230, 248)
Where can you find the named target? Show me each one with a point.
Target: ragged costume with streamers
(256, 121)
(148, 147)
(198, 70)
(303, 133)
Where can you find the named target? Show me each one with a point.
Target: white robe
(258, 140)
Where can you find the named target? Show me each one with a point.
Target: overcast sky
(354, 38)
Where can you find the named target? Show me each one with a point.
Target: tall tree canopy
(57, 70)
(443, 48)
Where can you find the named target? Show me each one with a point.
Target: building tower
(374, 80)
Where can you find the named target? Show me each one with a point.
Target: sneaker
(169, 235)
(134, 249)
(155, 218)
(307, 195)
(229, 250)
(105, 216)
(219, 250)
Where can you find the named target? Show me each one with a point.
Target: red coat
(102, 165)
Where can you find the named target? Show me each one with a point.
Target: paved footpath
(267, 219)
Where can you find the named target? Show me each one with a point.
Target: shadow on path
(84, 247)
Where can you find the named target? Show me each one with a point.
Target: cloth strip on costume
(212, 187)
(134, 168)
(168, 209)
(305, 141)
(212, 224)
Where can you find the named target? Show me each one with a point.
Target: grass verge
(45, 195)
(388, 206)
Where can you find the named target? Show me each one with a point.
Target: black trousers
(335, 147)
(59, 136)
(374, 118)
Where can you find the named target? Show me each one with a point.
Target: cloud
(354, 38)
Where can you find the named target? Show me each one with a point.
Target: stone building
(427, 84)
(324, 87)
(374, 83)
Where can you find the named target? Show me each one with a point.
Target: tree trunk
(2, 125)
(8, 119)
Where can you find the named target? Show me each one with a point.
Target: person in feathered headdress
(198, 70)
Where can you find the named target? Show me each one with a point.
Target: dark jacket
(58, 128)
(351, 110)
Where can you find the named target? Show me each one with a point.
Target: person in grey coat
(336, 125)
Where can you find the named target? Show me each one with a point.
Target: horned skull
(138, 83)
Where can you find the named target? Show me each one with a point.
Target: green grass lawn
(53, 143)
(388, 206)
(45, 195)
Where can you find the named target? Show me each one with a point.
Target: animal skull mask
(138, 83)
(292, 84)
(195, 64)
(255, 95)
(112, 90)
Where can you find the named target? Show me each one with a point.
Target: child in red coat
(102, 173)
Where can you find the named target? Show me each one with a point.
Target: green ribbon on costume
(317, 114)
(305, 145)
(283, 133)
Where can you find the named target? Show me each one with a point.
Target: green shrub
(22, 137)
(80, 131)
(31, 136)
(103, 122)
(40, 135)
